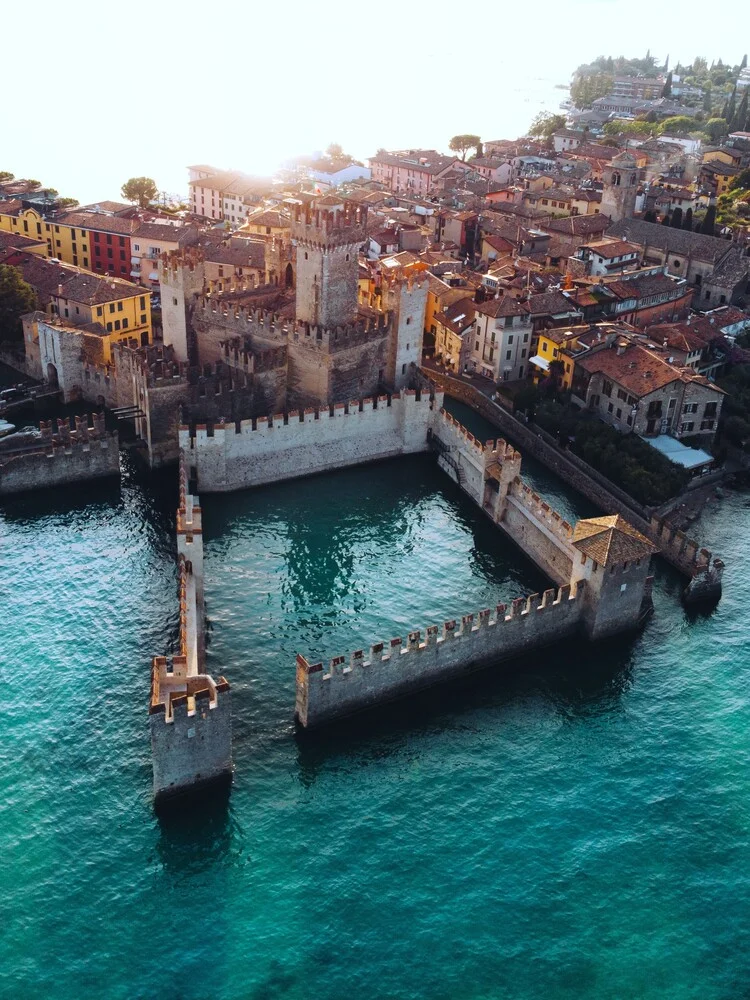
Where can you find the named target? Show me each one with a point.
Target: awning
(540, 362)
(679, 453)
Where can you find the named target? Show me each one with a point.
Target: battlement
(238, 354)
(541, 510)
(701, 566)
(326, 227)
(173, 262)
(390, 670)
(242, 320)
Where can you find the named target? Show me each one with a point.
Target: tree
(666, 90)
(743, 64)
(5, 175)
(741, 181)
(140, 189)
(16, 298)
(335, 151)
(545, 123)
(665, 220)
(68, 202)
(649, 215)
(709, 220)
(676, 124)
(33, 184)
(741, 117)
(463, 143)
(677, 218)
(687, 222)
(707, 100)
(716, 128)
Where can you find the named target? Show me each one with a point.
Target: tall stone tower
(404, 295)
(620, 187)
(328, 234)
(181, 276)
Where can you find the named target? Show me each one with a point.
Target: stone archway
(52, 378)
(289, 276)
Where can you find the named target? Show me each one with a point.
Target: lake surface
(574, 825)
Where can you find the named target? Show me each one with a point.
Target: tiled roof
(269, 217)
(578, 225)
(505, 306)
(46, 276)
(608, 249)
(435, 163)
(459, 315)
(99, 223)
(611, 540)
(638, 370)
(549, 304)
(681, 241)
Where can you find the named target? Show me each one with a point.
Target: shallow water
(575, 825)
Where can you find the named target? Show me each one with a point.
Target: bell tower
(620, 187)
(328, 234)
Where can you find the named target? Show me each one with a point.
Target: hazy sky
(107, 91)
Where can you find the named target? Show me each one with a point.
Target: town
(585, 287)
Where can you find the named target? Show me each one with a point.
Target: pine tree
(677, 218)
(687, 222)
(707, 226)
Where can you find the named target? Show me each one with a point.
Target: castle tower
(181, 276)
(328, 234)
(404, 295)
(614, 563)
(620, 187)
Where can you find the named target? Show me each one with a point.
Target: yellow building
(119, 309)
(557, 345)
(267, 222)
(64, 242)
(730, 156)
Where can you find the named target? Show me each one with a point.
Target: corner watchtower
(328, 234)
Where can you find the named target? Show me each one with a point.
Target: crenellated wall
(302, 443)
(399, 667)
(705, 571)
(189, 711)
(69, 455)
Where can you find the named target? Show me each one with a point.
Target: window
(117, 324)
(109, 327)
(110, 253)
(523, 353)
(136, 246)
(707, 425)
(174, 301)
(122, 241)
(676, 264)
(686, 426)
(408, 320)
(143, 301)
(619, 414)
(403, 369)
(98, 310)
(508, 355)
(125, 324)
(122, 255)
(520, 372)
(143, 319)
(119, 307)
(85, 262)
(526, 338)
(476, 346)
(607, 388)
(710, 410)
(610, 408)
(690, 408)
(109, 239)
(510, 338)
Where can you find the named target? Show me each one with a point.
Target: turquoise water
(577, 826)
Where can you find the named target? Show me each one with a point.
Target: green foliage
(68, 202)
(545, 124)
(625, 459)
(716, 128)
(32, 183)
(677, 124)
(687, 222)
(585, 88)
(335, 151)
(677, 218)
(735, 412)
(463, 143)
(649, 215)
(140, 189)
(741, 182)
(16, 298)
(623, 126)
(666, 90)
(709, 221)
(5, 175)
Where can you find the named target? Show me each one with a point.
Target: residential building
(224, 195)
(635, 388)
(501, 341)
(718, 175)
(603, 257)
(454, 332)
(638, 87)
(414, 170)
(717, 271)
(119, 310)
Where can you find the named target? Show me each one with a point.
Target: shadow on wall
(580, 679)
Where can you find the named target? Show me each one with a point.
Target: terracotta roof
(499, 243)
(611, 540)
(46, 276)
(99, 223)
(681, 241)
(459, 315)
(638, 370)
(612, 248)
(579, 225)
(505, 306)
(269, 217)
(549, 304)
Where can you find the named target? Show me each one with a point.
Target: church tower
(620, 187)
(328, 234)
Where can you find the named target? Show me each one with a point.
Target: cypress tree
(665, 220)
(731, 108)
(649, 215)
(677, 218)
(707, 226)
(741, 116)
(687, 222)
(743, 64)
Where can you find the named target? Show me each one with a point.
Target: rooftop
(610, 540)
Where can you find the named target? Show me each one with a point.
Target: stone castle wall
(189, 711)
(302, 443)
(56, 459)
(392, 670)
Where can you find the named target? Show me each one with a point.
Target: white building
(501, 339)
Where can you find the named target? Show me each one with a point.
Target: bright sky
(109, 91)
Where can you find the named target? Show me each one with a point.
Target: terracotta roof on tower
(610, 540)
